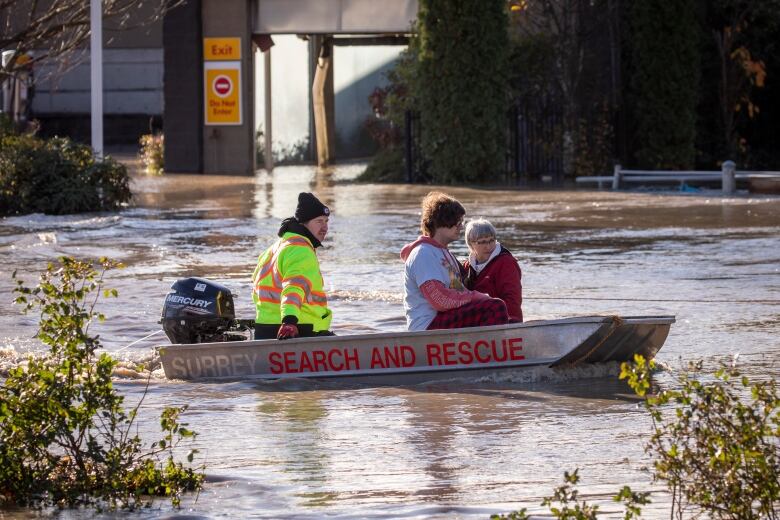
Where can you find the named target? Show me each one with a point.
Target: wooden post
(728, 180)
(616, 178)
(322, 104)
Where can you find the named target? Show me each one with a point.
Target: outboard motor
(199, 311)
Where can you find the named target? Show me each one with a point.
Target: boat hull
(386, 357)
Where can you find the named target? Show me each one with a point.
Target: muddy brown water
(455, 449)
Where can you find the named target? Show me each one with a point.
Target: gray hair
(479, 228)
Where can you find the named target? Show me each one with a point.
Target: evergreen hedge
(664, 82)
(462, 88)
(57, 176)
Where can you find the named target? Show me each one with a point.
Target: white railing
(728, 176)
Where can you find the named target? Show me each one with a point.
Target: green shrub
(6, 125)
(715, 443)
(715, 446)
(57, 176)
(386, 166)
(65, 438)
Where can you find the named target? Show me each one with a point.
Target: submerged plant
(65, 437)
(565, 503)
(716, 444)
(152, 153)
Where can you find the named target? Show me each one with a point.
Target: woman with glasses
(434, 295)
(492, 269)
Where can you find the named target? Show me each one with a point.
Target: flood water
(456, 449)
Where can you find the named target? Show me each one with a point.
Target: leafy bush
(386, 166)
(6, 125)
(715, 446)
(152, 153)
(57, 176)
(717, 449)
(65, 438)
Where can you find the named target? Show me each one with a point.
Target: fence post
(728, 180)
(515, 133)
(616, 178)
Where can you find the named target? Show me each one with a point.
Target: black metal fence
(536, 142)
(413, 161)
(534, 148)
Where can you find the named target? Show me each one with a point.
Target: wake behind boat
(211, 345)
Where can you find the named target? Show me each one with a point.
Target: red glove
(287, 331)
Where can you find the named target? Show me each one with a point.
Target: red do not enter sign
(222, 93)
(222, 86)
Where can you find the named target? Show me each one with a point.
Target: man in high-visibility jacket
(288, 287)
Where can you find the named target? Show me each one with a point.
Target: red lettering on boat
(354, 357)
(376, 358)
(466, 355)
(393, 356)
(319, 360)
(305, 364)
(514, 349)
(289, 363)
(496, 356)
(274, 359)
(434, 351)
(482, 343)
(330, 360)
(449, 354)
(408, 357)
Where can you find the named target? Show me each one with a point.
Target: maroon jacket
(501, 278)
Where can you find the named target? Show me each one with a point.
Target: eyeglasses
(485, 242)
(458, 223)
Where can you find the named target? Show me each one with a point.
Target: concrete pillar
(183, 88)
(269, 141)
(230, 148)
(728, 182)
(96, 74)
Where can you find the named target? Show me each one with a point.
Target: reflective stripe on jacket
(287, 282)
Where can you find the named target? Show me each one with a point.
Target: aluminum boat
(400, 357)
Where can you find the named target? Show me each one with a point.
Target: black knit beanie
(309, 207)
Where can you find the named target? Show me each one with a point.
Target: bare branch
(50, 29)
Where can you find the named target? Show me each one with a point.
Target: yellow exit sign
(221, 49)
